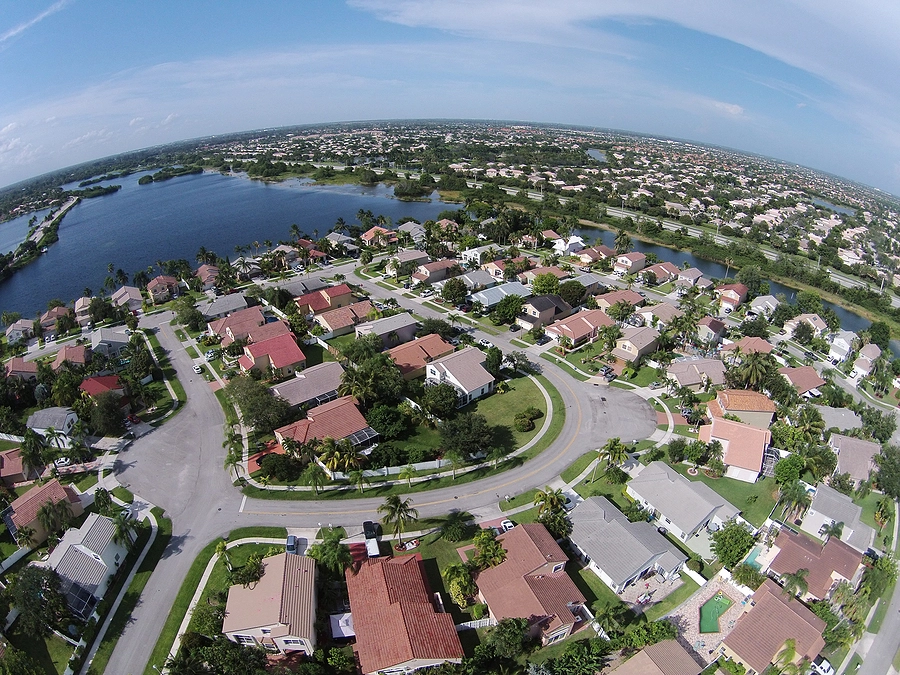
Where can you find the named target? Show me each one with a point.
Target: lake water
(12, 232)
(833, 207)
(599, 155)
(849, 320)
(141, 224)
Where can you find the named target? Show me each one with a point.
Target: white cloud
(9, 127)
(135, 121)
(729, 108)
(25, 25)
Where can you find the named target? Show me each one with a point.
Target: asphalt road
(179, 467)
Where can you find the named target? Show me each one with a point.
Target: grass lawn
(575, 468)
(162, 360)
(342, 341)
(8, 445)
(80, 480)
(553, 358)
(123, 493)
(869, 503)
(614, 493)
(597, 594)
(755, 500)
(7, 545)
(231, 417)
(673, 600)
(500, 409)
(518, 500)
(52, 654)
(316, 354)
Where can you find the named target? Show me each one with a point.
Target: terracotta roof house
(268, 331)
(804, 379)
(342, 320)
(497, 268)
(635, 343)
(489, 297)
(207, 274)
(868, 354)
(828, 565)
(662, 272)
(398, 628)
(51, 316)
(731, 296)
(464, 371)
(856, 456)
(814, 321)
(663, 658)
(682, 506)
(336, 419)
(550, 234)
(13, 469)
(237, 326)
(750, 406)
(19, 367)
(86, 559)
(109, 341)
(745, 447)
(770, 620)
(618, 551)
(128, 296)
(581, 327)
(629, 263)
(324, 299)
(314, 385)
(541, 310)
(23, 329)
(607, 300)
(749, 345)
(435, 271)
(82, 311)
(595, 254)
(528, 276)
(412, 357)
(101, 384)
(829, 507)
(378, 236)
(710, 330)
(77, 355)
(696, 373)
(277, 613)
(162, 288)
(280, 354)
(532, 584)
(24, 510)
(659, 316)
(393, 330)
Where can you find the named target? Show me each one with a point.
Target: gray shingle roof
(386, 325)
(225, 304)
(841, 509)
(48, 417)
(311, 383)
(77, 557)
(491, 296)
(620, 548)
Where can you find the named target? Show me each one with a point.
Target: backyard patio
(644, 593)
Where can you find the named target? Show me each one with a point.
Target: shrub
(694, 565)
(479, 610)
(523, 424)
(281, 467)
(531, 413)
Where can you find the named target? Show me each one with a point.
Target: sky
(813, 82)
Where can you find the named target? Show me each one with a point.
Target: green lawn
(614, 493)
(8, 445)
(869, 503)
(123, 493)
(231, 417)
(7, 545)
(518, 500)
(316, 354)
(755, 500)
(673, 600)
(342, 341)
(52, 653)
(597, 594)
(553, 358)
(80, 480)
(500, 409)
(575, 468)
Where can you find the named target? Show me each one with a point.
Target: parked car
(63, 461)
(513, 327)
(655, 385)
(822, 666)
(198, 368)
(507, 525)
(427, 293)
(485, 343)
(212, 355)
(134, 419)
(370, 529)
(291, 545)
(542, 340)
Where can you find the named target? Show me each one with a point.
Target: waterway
(599, 155)
(140, 224)
(12, 232)
(849, 320)
(833, 207)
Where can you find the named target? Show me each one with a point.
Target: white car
(63, 461)
(198, 369)
(507, 525)
(485, 343)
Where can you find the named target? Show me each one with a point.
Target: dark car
(513, 327)
(291, 544)
(370, 529)
(542, 340)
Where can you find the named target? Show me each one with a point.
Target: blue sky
(813, 82)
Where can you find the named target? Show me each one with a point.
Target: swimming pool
(751, 559)
(711, 610)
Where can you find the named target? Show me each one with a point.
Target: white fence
(11, 437)
(480, 623)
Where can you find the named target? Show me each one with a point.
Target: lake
(140, 224)
(599, 155)
(833, 207)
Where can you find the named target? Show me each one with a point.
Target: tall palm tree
(398, 513)
(755, 369)
(358, 478)
(234, 462)
(24, 535)
(314, 476)
(793, 498)
(332, 456)
(832, 529)
(614, 452)
(125, 529)
(795, 582)
(623, 242)
(549, 500)
(407, 473)
(809, 423)
(222, 553)
(33, 451)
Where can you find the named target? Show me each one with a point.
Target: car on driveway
(134, 419)
(542, 340)
(198, 369)
(291, 544)
(212, 355)
(485, 343)
(513, 327)
(507, 525)
(63, 461)
(370, 529)
(655, 385)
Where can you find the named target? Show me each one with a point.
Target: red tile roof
(750, 345)
(281, 350)
(414, 355)
(93, 386)
(11, 463)
(348, 315)
(580, 325)
(19, 366)
(321, 300)
(804, 378)
(744, 445)
(394, 618)
(76, 354)
(239, 322)
(268, 330)
(26, 507)
(336, 419)
(161, 281)
(800, 552)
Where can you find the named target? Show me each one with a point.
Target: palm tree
(222, 553)
(125, 528)
(33, 451)
(358, 478)
(623, 242)
(614, 452)
(398, 513)
(832, 529)
(52, 436)
(549, 500)
(809, 423)
(755, 369)
(24, 534)
(795, 582)
(314, 476)
(234, 462)
(407, 473)
(332, 456)
(794, 498)
(185, 663)
(884, 511)
(331, 553)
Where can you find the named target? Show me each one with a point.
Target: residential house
(337, 419)
(412, 357)
(58, 418)
(393, 330)
(528, 276)
(689, 277)
(629, 263)
(580, 327)
(710, 330)
(464, 371)
(827, 565)
(280, 354)
(128, 296)
(76, 355)
(405, 261)
(697, 374)
(749, 406)
(814, 321)
(102, 384)
(378, 236)
(532, 583)
(83, 311)
(745, 447)
(109, 341)
(498, 268)
(855, 456)
(607, 300)
(314, 385)
(474, 281)
(660, 273)
(222, 306)
(237, 326)
(635, 343)
(663, 658)
(804, 379)
(86, 560)
(541, 310)
(23, 511)
(841, 346)
(659, 316)
(618, 551)
(731, 296)
(19, 367)
(475, 256)
(246, 267)
(591, 282)
(398, 627)
(589, 256)
(278, 612)
(763, 305)
(416, 232)
(342, 320)
(749, 345)
(435, 271)
(829, 507)
(684, 507)
(550, 235)
(341, 242)
(13, 469)
(769, 620)
(324, 299)
(565, 246)
(51, 316)
(162, 288)
(288, 255)
(23, 329)
(867, 356)
(490, 297)
(207, 274)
